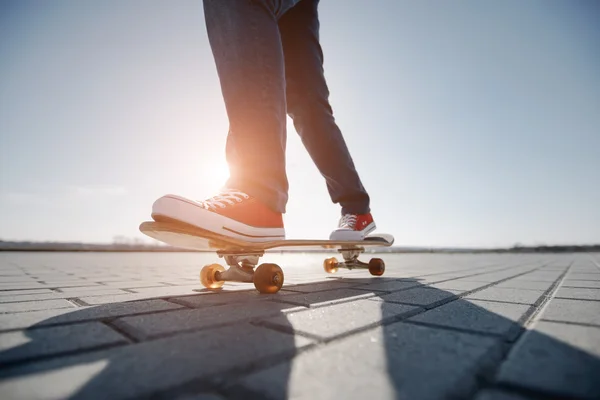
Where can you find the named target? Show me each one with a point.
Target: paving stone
(201, 396)
(134, 284)
(398, 361)
(477, 316)
(34, 343)
(21, 286)
(495, 394)
(524, 284)
(317, 287)
(64, 316)
(68, 284)
(34, 306)
(84, 289)
(17, 279)
(389, 285)
(153, 325)
(577, 311)
(581, 283)
(320, 299)
(578, 293)
(539, 277)
(359, 279)
(584, 276)
(556, 358)
(507, 294)
(211, 300)
(10, 293)
(149, 293)
(493, 277)
(426, 297)
(341, 319)
(56, 295)
(459, 285)
(138, 370)
(190, 288)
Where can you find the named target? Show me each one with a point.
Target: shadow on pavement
(432, 345)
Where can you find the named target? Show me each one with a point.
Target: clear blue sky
(472, 123)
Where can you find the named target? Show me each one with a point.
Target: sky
(471, 123)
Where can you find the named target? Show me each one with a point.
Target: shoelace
(224, 198)
(348, 221)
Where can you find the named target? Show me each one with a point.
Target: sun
(214, 174)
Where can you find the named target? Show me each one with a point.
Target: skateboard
(243, 257)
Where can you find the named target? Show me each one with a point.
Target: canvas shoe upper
(353, 227)
(231, 213)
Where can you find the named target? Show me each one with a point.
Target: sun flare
(214, 175)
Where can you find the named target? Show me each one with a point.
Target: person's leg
(246, 44)
(245, 41)
(308, 105)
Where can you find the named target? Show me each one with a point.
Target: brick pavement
(482, 327)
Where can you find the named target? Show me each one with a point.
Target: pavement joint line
(431, 306)
(579, 287)
(503, 302)
(575, 299)
(77, 302)
(115, 327)
(174, 300)
(365, 296)
(287, 330)
(558, 321)
(12, 290)
(432, 325)
(530, 317)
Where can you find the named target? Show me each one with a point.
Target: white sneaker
(231, 213)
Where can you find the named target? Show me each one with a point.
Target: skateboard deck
(193, 238)
(242, 256)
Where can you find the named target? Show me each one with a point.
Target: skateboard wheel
(330, 265)
(268, 278)
(208, 276)
(376, 266)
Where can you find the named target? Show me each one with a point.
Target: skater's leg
(308, 105)
(245, 40)
(246, 44)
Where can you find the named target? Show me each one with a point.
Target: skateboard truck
(376, 266)
(267, 277)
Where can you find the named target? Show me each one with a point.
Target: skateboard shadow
(446, 347)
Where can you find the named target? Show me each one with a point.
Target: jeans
(270, 64)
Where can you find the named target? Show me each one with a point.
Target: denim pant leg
(246, 45)
(308, 105)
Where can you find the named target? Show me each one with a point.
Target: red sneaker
(231, 213)
(353, 227)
